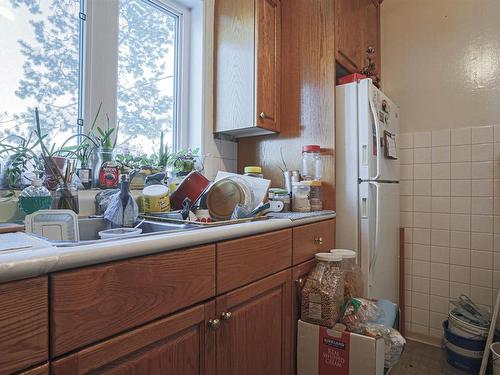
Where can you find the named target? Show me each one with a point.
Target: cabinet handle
(319, 240)
(214, 324)
(263, 115)
(299, 282)
(226, 316)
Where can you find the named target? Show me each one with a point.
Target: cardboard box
(322, 351)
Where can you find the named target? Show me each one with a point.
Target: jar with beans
(323, 292)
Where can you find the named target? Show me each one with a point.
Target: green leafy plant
(21, 157)
(183, 161)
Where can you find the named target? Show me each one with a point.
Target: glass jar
(282, 196)
(315, 196)
(66, 197)
(107, 171)
(323, 292)
(300, 197)
(312, 165)
(254, 172)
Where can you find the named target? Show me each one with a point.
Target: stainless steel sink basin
(89, 228)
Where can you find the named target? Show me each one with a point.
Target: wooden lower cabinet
(24, 324)
(179, 344)
(39, 370)
(254, 335)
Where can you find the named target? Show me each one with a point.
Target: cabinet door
(180, 344)
(254, 336)
(234, 60)
(268, 19)
(299, 274)
(372, 34)
(349, 33)
(356, 29)
(23, 324)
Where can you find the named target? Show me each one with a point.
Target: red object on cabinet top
(351, 78)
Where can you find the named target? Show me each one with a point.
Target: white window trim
(101, 68)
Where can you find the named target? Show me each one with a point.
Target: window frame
(101, 83)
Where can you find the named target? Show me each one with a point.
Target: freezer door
(378, 120)
(379, 238)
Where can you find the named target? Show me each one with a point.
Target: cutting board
(10, 227)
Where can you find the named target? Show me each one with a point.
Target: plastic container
(35, 197)
(465, 329)
(349, 264)
(468, 361)
(253, 171)
(119, 233)
(323, 292)
(465, 343)
(282, 195)
(495, 354)
(315, 196)
(312, 164)
(300, 197)
(156, 198)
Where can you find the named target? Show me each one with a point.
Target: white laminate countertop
(21, 264)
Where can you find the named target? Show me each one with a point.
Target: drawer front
(24, 323)
(244, 260)
(93, 303)
(311, 239)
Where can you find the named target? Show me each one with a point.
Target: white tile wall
(450, 206)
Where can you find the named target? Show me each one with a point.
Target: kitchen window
(150, 61)
(69, 57)
(41, 53)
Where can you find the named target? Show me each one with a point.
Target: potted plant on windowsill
(106, 171)
(21, 159)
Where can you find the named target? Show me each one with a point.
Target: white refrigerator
(367, 184)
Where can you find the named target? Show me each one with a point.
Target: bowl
(119, 233)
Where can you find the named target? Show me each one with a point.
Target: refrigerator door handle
(377, 136)
(374, 252)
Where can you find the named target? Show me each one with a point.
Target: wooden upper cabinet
(23, 324)
(254, 335)
(247, 70)
(179, 344)
(356, 29)
(268, 57)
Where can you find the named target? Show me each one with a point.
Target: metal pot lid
(222, 197)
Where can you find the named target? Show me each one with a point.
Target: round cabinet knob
(263, 115)
(319, 240)
(299, 282)
(226, 316)
(214, 324)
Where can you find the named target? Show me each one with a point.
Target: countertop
(22, 264)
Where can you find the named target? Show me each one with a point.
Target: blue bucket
(467, 364)
(469, 344)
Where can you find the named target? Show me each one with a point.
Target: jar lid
(344, 253)
(311, 148)
(328, 257)
(281, 192)
(155, 191)
(253, 169)
(315, 183)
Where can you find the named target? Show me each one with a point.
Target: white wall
(441, 65)
(441, 61)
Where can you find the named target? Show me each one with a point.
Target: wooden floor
(422, 359)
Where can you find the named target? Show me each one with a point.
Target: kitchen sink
(89, 228)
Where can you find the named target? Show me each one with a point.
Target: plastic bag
(359, 311)
(394, 342)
